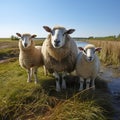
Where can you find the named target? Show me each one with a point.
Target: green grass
(17, 96)
(22, 100)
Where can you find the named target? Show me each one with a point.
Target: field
(20, 100)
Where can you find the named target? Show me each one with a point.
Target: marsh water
(112, 77)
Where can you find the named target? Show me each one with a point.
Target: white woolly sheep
(30, 56)
(59, 53)
(87, 65)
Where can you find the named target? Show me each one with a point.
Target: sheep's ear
(70, 31)
(33, 36)
(98, 49)
(18, 34)
(47, 29)
(80, 48)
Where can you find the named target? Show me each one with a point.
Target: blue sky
(88, 17)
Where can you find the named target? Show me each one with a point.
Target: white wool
(30, 58)
(61, 59)
(87, 70)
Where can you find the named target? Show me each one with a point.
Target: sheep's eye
(52, 33)
(22, 38)
(63, 34)
(85, 52)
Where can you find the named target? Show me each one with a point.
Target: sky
(95, 18)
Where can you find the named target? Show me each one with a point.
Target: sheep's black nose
(25, 44)
(57, 41)
(90, 58)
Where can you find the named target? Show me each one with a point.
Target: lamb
(30, 56)
(59, 52)
(87, 65)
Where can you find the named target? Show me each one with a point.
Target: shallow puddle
(112, 76)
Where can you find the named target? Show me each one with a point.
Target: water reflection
(81, 44)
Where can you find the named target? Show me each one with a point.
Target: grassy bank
(110, 54)
(22, 100)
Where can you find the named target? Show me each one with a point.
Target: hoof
(80, 90)
(64, 86)
(93, 87)
(28, 81)
(36, 82)
(58, 89)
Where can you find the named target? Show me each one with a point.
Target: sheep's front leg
(93, 84)
(35, 75)
(57, 81)
(87, 83)
(29, 75)
(81, 80)
(45, 71)
(64, 80)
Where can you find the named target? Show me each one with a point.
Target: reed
(110, 54)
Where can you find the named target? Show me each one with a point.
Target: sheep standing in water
(87, 65)
(59, 52)
(30, 56)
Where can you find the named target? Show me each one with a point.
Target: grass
(110, 54)
(17, 97)
(76, 110)
(22, 100)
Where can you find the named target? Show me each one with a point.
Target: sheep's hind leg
(81, 80)
(93, 84)
(45, 71)
(58, 89)
(29, 75)
(64, 80)
(87, 83)
(35, 75)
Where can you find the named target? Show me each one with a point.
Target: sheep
(59, 52)
(30, 56)
(87, 65)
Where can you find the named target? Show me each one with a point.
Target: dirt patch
(9, 60)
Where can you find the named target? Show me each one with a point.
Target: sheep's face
(26, 39)
(58, 38)
(58, 35)
(89, 53)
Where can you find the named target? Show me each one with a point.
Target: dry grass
(110, 54)
(20, 100)
(76, 109)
